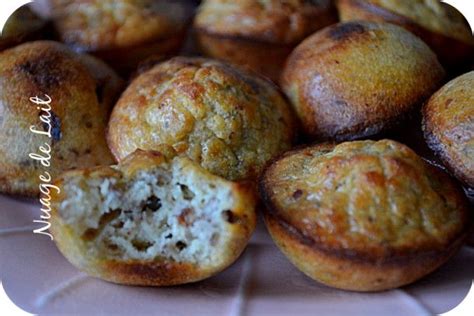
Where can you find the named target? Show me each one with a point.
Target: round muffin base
(355, 273)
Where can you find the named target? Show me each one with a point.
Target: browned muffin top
(449, 125)
(355, 79)
(366, 198)
(229, 121)
(280, 21)
(432, 15)
(101, 24)
(82, 91)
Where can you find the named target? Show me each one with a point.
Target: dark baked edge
(435, 144)
(397, 258)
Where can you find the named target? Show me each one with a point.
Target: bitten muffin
(227, 120)
(81, 91)
(259, 34)
(155, 219)
(23, 25)
(448, 124)
(358, 79)
(122, 32)
(363, 216)
(440, 25)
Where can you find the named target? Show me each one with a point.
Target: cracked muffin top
(432, 15)
(448, 119)
(280, 21)
(104, 24)
(228, 120)
(366, 199)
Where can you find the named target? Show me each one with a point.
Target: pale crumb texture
(169, 213)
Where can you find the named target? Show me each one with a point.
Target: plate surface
(262, 282)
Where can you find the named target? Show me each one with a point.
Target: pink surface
(261, 282)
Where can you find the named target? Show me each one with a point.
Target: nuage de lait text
(43, 156)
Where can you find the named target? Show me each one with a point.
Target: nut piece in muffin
(440, 25)
(448, 124)
(358, 79)
(229, 121)
(259, 34)
(81, 91)
(365, 215)
(155, 219)
(122, 32)
(23, 25)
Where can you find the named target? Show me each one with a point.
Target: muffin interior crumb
(164, 213)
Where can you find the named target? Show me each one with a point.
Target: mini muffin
(259, 34)
(363, 216)
(81, 91)
(358, 79)
(440, 25)
(228, 120)
(448, 124)
(23, 25)
(122, 32)
(155, 220)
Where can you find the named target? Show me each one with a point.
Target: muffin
(448, 124)
(155, 219)
(51, 98)
(122, 32)
(440, 25)
(23, 25)
(358, 79)
(364, 215)
(259, 34)
(227, 120)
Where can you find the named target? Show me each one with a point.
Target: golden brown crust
(159, 271)
(363, 216)
(357, 79)
(229, 121)
(259, 35)
(82, 90)
(448, 124)
(99, 27)
(96, 25)
(447, 33)
(278, 22)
